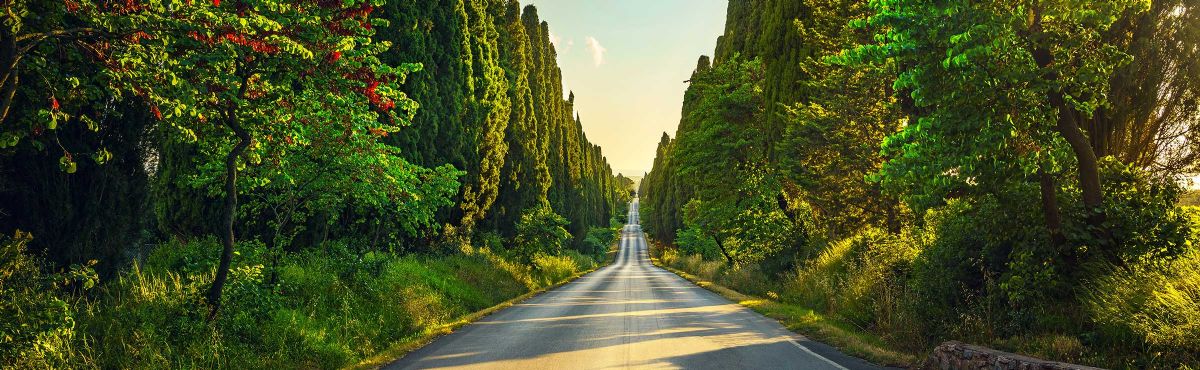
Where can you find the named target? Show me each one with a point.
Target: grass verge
(402, 348)
(809, 323)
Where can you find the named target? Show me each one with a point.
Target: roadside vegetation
(1000, 173)
(325, 308)
(272, 184)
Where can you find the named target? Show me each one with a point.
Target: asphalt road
(630, 314)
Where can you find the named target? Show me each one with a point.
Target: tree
(257, 83)
(525, 175)
(722, 152)
(1001, 90)
(1152, 120)
(540, 231)
(832, 137)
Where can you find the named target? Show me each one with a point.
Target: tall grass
(860, 280)
(748, 279)
(321, 309)
(1152, 306)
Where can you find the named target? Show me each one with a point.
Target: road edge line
(403, 347)
(891, 358)
(823, 358)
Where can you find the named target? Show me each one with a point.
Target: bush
(597, 241)
(37, 323)
(984, 271)
(693, 242)
(540, 231)
(556, 269)
(1143, 216)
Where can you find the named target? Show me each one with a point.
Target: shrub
(693, 242)
(555, 269)
(749, 279)
(984, 272)
(1142, 215)
(37, 323)
(540, 230)
(597, 241)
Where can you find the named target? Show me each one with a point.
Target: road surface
(630, 314)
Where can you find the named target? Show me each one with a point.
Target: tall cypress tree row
(525, 175)
(493, 106)
(805, 114)
(489, 111)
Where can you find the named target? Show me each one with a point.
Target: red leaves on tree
(138, 36)
(371, 94)
(154, 110)
(71, 5)
(256, 45)
(202, 38)
(54, 103)
(377, 100)
(335, 56)
(216, 2)
(378, 132)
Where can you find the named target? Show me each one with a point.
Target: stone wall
(959, 356)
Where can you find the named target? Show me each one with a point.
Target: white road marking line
(805, 349)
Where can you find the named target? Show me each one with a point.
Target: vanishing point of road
(630, 314)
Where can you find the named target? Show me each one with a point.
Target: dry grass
(808, 322)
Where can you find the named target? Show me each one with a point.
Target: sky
(626, 61)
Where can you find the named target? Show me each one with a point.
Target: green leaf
(66, 164)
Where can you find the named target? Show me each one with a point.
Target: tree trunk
(8, 71)
(1089, 165)
(1050, 208)
(1068, 126)
(893, 216)
(724, 252)
(231, 206)
(6, 97)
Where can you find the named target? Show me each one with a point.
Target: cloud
(560, 46)
(597, 50)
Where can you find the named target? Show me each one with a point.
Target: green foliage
(1143, 215)
(720, 155)
(553, 269)
(598, 241)
(979, 136)
(963, 272)
(327, 309)
(37, 320)
(540, 231)
(984, 113)
(693, 242)
(493, 106)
